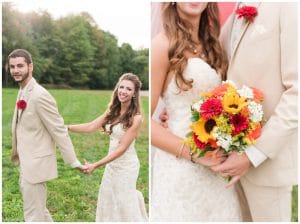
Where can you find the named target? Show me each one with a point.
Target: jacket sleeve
(284, 121)
(54, 123)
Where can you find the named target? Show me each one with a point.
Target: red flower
(239, 123)
(247, 12)
(199, 144)
(21, 104)
(210, 108)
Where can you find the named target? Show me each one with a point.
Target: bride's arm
(88, 127)
(161, 137)
(127, 139)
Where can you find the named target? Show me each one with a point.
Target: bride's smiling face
(190, 9)
(125, 91)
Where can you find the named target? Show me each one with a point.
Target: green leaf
(195, 116)
(190, 134)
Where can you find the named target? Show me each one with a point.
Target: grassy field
(73, 196)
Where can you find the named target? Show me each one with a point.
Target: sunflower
(204, 129)
(233, 103)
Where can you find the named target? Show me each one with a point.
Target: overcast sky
(128, 20)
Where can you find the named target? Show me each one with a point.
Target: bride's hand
(211, 159)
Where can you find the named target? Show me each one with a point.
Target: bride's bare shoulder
(160, 41)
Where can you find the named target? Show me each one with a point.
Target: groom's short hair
(21, 53)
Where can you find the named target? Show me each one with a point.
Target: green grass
(73, 196)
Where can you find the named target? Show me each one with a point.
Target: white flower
(230, 83)
(246, 92)
(256, 111)
(196, 106)
(223, 140)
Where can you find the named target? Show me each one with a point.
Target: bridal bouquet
(225, 118)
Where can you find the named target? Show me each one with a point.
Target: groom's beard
(24, 77)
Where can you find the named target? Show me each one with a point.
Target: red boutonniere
(247, 12)
(21, 104)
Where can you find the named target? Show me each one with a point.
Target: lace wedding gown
(118, 198)
(182, 190)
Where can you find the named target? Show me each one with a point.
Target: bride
(186, 59)
(118, 199)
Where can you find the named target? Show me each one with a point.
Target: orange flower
(245, 112)
(213, 143)
(206, 94)
(254, 134)
(258, 95)
(220, 90)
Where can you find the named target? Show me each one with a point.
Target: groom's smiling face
(19, 69)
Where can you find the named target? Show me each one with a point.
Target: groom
(36, 128)
(263, 54)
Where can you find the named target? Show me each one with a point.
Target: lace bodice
(178, 103)
(115, 138)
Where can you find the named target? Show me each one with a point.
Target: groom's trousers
(264, 203)
(34, 201)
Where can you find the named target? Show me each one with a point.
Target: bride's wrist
(186, 152)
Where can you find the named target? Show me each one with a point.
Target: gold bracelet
(191, 154)
(178, 156)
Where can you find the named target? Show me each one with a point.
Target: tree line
(71, 51)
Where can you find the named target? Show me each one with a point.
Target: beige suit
(265, 57)
(35, 132)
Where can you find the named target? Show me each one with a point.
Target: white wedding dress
(182, 190)
(118, 198)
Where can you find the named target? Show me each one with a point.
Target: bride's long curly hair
(179, 34)
(114, 108)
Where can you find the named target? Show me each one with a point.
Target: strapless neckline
(178, 102)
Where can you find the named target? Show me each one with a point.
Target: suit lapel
(14, 139)
(245, 27)
(15, 119)
(27, 94)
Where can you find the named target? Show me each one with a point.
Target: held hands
(90, 167)
(82, 168)
(87, 168)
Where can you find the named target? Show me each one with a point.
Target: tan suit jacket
(34, 134)
(265, 57)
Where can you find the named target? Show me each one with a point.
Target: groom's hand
(164, 117)
(82, 168)
(236, 165)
